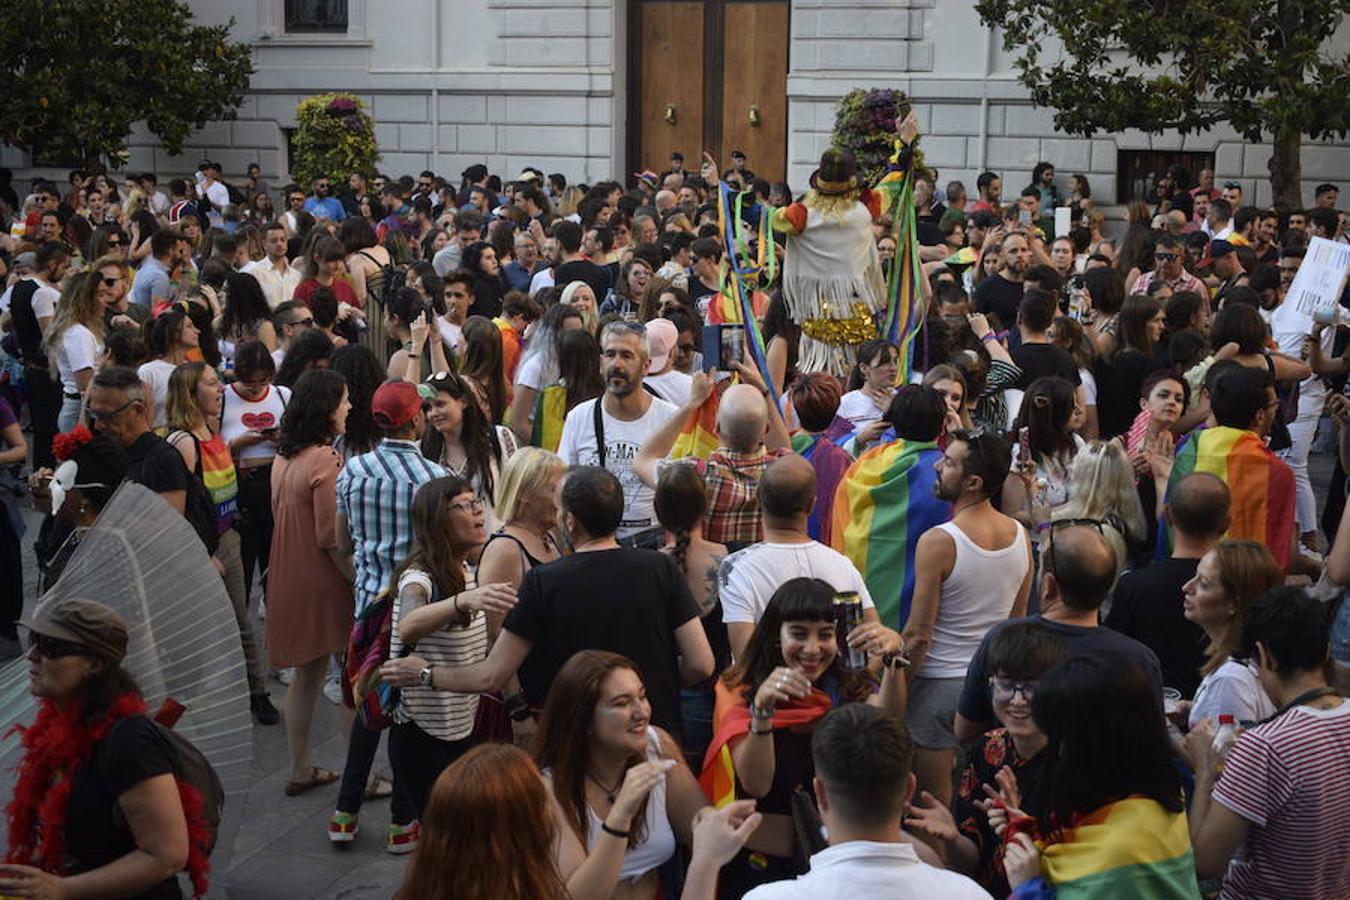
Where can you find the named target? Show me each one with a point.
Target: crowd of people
(1053, 611)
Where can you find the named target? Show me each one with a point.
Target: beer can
(848, 614)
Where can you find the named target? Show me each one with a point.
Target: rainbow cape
(830, 462)
(1261, 484)
(699, 435)
(883, 504)
(1131, 848)
(550, 411)
(731, 719)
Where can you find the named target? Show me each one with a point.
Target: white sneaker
(332, 690)
(286, 676)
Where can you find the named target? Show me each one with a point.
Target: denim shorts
(1340, 632)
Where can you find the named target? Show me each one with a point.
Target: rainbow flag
(906, 306)
(1131, 848)
(699, 437)
(883, 504)
(550, 411)
(1261, 484)
(830, 462)
(731, 719)
(743, 276)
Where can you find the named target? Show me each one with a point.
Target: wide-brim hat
(838, 172)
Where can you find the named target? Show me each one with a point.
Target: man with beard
(322, 206)
(970, 573)
(610, 430)
(1001, 293)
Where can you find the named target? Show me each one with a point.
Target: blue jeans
(696, 709)
(1340, 633)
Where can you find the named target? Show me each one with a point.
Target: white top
(80, 349)
(747, 578)
(623, 440)
(1089, 386)
(278, 286)
(156, 374)
(859, 408)
(530, 373)
(239, 415)
(659, 844)
(452, 335)
(506, 438)
(870, 869)
(977, 595)
(1231, 689)
(544, 278)
(441, 714)
(43, 301)
(673, 386)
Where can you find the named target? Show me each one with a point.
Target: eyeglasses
(1002, 690)
(473, 506)
(95, 416)
(302, 322)
(54, 648)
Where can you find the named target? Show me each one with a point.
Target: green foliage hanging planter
(333, 138)
(866, 123)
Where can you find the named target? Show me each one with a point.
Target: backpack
(380, 283)
(368, 649)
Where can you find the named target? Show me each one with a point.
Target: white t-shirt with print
(623, 440)
(80, 349)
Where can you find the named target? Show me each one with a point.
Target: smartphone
(723, 346)
(1024, 217)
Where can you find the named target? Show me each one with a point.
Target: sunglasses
(1165, 257)
(306, 322)
(95, 416)
(1003, 690)
(113, 281)
(115, 244)
(54, 648)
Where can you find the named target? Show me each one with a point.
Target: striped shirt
(1290, 778)
(441, 714)
(375, 494)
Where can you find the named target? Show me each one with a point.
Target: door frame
(714, 47)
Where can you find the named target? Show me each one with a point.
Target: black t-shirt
(157, 466)
(975, 704)
(1118, 384)
(1001, 297)
(1146, 606)
(597, 277)
(625, 601)
(96, 834)
(1042, 360)
(930, 235)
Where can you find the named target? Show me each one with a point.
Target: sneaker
(332, 690)
(286, 676)
(403, 838)
(263, 710)
(342, 828)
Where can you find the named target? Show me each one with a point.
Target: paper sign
(1321, 279)
(1063, 216)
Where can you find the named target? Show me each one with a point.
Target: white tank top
(239, 415)
(975, 597)
(659, 845)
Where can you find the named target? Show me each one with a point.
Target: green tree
(79, 73)
(1262, 66)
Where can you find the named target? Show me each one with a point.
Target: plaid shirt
(732, 481)
(375, 494)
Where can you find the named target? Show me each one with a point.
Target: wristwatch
(424, 677)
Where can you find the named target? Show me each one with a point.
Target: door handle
(670, 114)
(754, 116)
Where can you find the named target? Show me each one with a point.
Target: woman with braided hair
(681, 504)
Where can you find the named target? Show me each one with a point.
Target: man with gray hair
(610, 430)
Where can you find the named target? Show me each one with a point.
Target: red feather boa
(56, 746)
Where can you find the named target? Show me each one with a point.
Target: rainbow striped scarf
(1131, 848)
(882, 505)
(830, 462)
(1261, 484)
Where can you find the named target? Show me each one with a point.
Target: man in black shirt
(574, 266)
(1035, 355)
(602, 597)
(1147, 603)
(1001, 293)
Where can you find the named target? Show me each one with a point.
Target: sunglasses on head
(54, 648)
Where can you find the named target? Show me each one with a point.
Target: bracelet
(765, 731)
(454, 602)
(989, 336)
(761, 715)
(622, 835)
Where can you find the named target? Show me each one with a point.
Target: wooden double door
(708, 75)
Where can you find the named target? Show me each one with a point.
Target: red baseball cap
(395, 404)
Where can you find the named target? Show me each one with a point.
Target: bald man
(1146, 604)
(1079, 567)
(748, 578)
(665, 201)
(751, 434)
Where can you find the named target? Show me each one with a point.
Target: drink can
(848, 614)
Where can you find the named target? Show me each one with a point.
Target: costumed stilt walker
(144, 562)
(832, 275)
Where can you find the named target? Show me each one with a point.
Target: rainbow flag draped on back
(1131, 848)
(883, 504)
(905, 307)
(731, 719)
(1261, 484)
(550, 411)
(830, 462)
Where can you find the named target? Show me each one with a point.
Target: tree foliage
(334, 137)
(79, 73)
(1263, 66)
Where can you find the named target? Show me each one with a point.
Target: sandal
(378, 789)
(317, 778)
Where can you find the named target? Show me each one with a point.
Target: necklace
(610, 792)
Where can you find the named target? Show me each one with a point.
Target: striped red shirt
(1290, 779)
